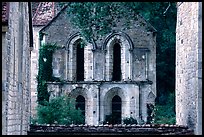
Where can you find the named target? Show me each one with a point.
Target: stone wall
(189, 65)
(120, 129)
(34, 69)
(16, 71)
(98, 98)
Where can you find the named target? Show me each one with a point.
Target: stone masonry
(189, 65)
(135, 89)
(34, 69)
(16, 71)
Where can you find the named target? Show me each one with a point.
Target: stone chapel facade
(116, 75)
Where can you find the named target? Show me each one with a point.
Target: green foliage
(96, 19)
(45, 71)
(165, 114)
(60, 110)
(150, 113)
(111, 119)
(130, 120)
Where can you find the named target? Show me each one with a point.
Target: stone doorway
(80, 104)
(116, 109)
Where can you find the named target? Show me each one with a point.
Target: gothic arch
(80, 104)
(122, 34)
(151, 98)
(71, 52)
(83, 93)
(126, 47)
(107, 101)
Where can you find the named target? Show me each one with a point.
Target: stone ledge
(120, 129)
(102, 82)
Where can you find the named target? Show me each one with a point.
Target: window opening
(116, 62)
(80, 63)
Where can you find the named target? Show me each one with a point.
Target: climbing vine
(45, 71)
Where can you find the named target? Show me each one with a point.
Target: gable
(54, 19)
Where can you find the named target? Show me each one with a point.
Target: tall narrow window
(80, 104)
(116, 63)
(116, 109)
(80, 63)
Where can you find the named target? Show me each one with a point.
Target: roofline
(154, 30)
(49, 23)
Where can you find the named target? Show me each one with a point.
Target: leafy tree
(60, 110)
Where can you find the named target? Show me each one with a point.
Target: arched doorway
(80, 104)
(116, 62)
(116, 110)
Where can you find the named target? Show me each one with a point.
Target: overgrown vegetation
(111, 119)
(165, 113)
(129, 120)
(60, 110)
(45, 71)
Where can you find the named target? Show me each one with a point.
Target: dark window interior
(80, 63)
(116, 63)
(116, 109)
(80, 104)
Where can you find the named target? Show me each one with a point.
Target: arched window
(80, 103)
(80, 62)
(116, 62)
(118, 57)
(116, 109)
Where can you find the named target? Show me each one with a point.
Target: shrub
(130, 120)
(112, 119)
(60, 110)
(165, 114)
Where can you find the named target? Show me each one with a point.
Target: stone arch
(151, 98)
(71, 63)
(81, 92)
(107, 101)
(80, 103)
(126, 55)
(122, 34)
(150, 104)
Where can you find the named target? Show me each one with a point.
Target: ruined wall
(189, 65)
(137, 85)
(138, 54)
(16, 69)
(118, 129)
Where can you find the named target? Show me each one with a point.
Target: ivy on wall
(45, 71)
